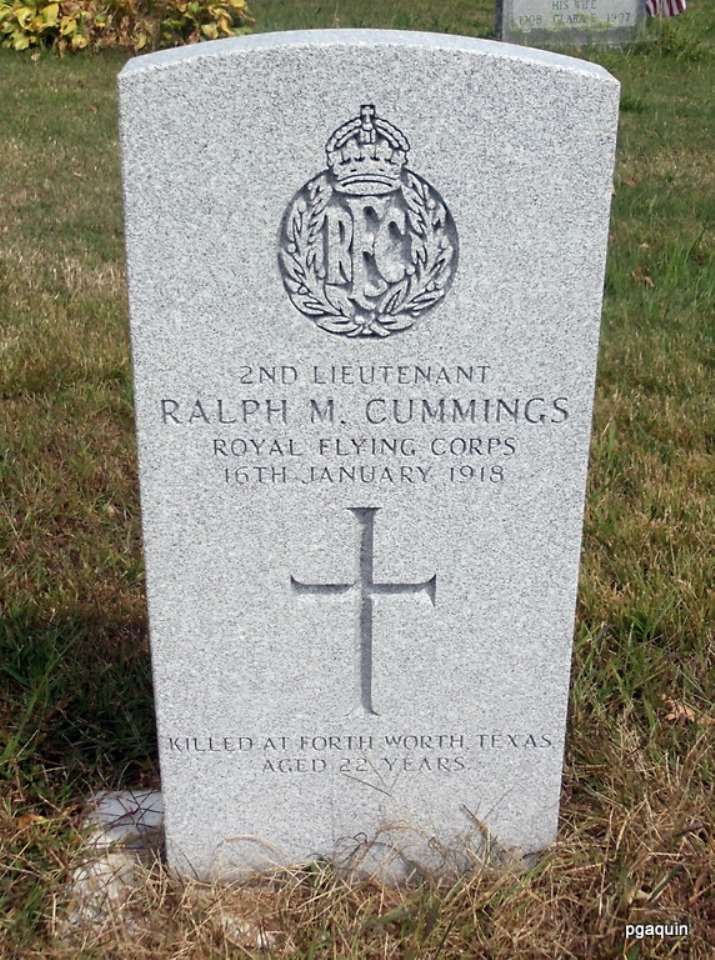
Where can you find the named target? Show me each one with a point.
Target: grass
(76, 714)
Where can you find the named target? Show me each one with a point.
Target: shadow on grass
(77, 707)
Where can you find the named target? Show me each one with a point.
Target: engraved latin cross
(366, 588)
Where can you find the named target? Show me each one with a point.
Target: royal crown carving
(366, 155)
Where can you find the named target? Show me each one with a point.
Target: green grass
(474, 18)
(76, 714)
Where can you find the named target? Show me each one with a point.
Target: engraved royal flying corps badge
(367, 246)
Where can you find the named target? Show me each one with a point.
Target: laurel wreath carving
(424, 284)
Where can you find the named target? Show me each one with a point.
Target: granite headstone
(554, 23)
(365, 275)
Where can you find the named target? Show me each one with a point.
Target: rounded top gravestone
(365, 275)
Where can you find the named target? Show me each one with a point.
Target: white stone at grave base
(123, 828)
(356, 653)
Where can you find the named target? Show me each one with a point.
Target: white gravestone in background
(545, 23)
(365, 276)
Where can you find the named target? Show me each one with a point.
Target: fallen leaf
(93, 107)
(691, 828)
(677, 711)
(641, 274)
(27, 819)
(630, 182)
(57, 708)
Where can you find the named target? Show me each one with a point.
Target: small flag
(664, 8)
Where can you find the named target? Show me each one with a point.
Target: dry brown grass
(636, 848)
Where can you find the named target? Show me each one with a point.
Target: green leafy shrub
(74, 25)
(184, 22)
